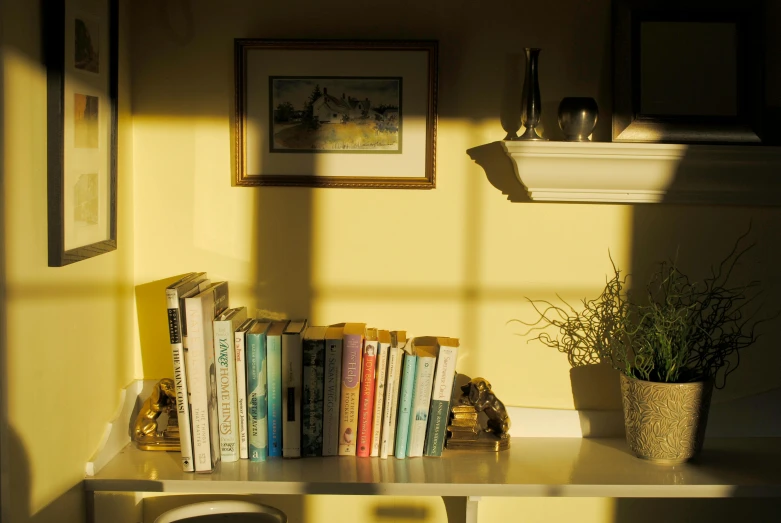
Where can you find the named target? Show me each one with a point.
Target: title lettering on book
(331, 388)
(173, 326)
(253, 405)
(178, 378)
(225, 406)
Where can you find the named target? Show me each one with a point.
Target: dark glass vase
(531, 105)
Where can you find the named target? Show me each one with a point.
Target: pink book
(366, 408)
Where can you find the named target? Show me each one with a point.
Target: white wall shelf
(728, 467)
(647, 173)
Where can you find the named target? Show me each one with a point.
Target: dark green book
(313, 347)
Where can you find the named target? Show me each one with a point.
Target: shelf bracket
(461, 509)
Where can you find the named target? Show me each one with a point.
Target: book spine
(389, 407)
(239, 346)
(198, 371)
(405, 404)
(351, 387)
(379, 397)
(366, 407)
(257, 408)
(440, 401)
(421, 399)
(291, 395)
(312, 401)
(180, 379)
(226, 389)
(332, 388)
(274, 367)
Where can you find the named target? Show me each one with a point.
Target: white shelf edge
(647, 173)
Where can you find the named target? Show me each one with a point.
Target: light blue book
(274, 367)
(257, 391)
(405, 404)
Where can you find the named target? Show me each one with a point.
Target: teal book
(405, 404)
(312, 400)
(257, 391)
(274, 368)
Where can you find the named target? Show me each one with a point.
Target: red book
(366, 407)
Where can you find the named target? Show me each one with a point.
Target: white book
(379, 390)
(421, 395)
(240, 346)
(201, 310)
(392, 387)
(174, 295)
(225, 326)
(332, 389)
(292, 370)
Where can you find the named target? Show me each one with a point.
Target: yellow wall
(454, 261)
(68, 343)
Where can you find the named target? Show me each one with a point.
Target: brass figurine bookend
(145, 431)
(479, 421)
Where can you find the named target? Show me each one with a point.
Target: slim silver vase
(531, 106)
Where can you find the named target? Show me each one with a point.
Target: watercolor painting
(85, 121)
(86, 200)
(335, 114)
(87, 50)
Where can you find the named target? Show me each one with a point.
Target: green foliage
(679, 331)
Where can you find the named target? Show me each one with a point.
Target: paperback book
(383, 346)
(274, 368)
(366, 407)
(292, 368)
(240, 346)
(444, 375)
(426, 349)
(312, 400)
(257, 391)
(351, 387)
(225, 326)
(201, 310)
(332, 389)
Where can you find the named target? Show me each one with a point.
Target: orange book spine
(366, 409)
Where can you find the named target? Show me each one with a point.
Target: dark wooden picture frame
(740, 119)
(81, 56)
(263, 156)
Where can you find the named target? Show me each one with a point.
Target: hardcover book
(383, 346)
(201, 310)
(332, 389)
(312, 400)
(240, 346)
(409, 366)
(392, 386)
(257, 391)
(292, 369)
(173, 293)
(444, 375)
(426, 349)
(225, 326)
(366, 406)
(274, 368)
(352, 347)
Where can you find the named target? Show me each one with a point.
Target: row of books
(253, 388)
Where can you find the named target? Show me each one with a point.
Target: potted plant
(671, 344)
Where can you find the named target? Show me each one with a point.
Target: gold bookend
(478, 420)
(146, 433)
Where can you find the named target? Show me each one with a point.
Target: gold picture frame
(335, 113)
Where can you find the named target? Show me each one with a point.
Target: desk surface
(540, 467)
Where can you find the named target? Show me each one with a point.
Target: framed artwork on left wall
(81, 49)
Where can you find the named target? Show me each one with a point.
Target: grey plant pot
(665, 422)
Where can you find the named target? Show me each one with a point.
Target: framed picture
(687, 71)
(81, 64)
(331, 113)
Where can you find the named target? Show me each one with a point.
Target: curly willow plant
(681, 331)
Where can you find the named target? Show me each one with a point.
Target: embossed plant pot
(665, 422)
